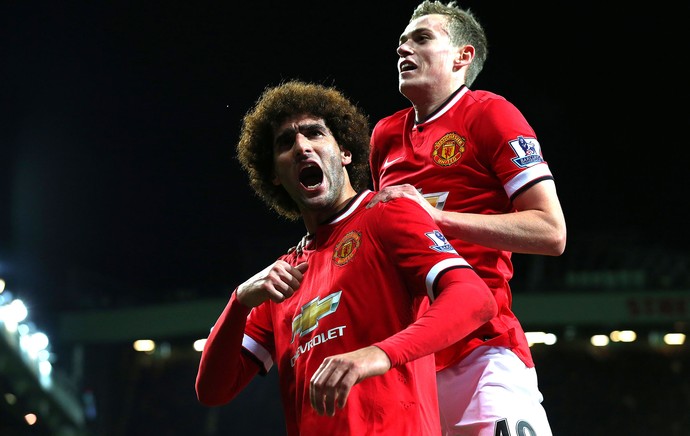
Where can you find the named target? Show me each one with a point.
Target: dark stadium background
(119, 189)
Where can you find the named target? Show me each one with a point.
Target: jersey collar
(450, 101)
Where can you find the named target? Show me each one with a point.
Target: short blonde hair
(463, 28)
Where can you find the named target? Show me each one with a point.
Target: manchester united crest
(347, 247)
(448, 150)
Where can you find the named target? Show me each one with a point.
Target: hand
(333, 380)
(276, 282)
(397, 191)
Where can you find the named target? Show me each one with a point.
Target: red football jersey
(474, 154)
(369, 271)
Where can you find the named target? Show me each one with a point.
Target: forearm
(223, 369)
(528, 232)
(538, 228)
(464, 304)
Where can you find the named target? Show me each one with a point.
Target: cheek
(276, 172)
(437, 60)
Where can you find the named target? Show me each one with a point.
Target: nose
(403, 50)
(302, 146)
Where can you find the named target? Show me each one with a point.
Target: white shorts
(490, 393)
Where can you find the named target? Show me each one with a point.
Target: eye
(284, 142)
(315, 132)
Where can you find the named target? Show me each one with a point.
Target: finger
(292, 279)
(338, 387)
(372, 202)
(302, 268)
(375, 199)
(328, 390)
(279, 295)
(316, 395)
(281, 285)
(323, 385)
(314, 392)
(331, 385)
(279, 292)
(344, 388)
(329, 400)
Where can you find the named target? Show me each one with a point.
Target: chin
(406, 86)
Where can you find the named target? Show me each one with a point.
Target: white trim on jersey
(526, 176)
(352, 207)
(259, 351)
(449, 105)
(438, 268)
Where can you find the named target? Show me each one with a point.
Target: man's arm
(224, 370)
(538, 226)
(464, 303)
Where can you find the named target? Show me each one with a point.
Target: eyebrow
(404, 38)
(290, 130)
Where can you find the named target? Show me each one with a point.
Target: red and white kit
(474, 154)
(364, 265)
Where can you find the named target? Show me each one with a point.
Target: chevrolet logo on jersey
(436, 199)
(312, 312)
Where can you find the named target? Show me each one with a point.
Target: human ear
(463, 57)
(345, 156)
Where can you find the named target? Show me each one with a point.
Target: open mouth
(311, 177)
(407, 66)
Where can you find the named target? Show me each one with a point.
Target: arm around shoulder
(536, 227)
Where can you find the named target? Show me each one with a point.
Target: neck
(423, 112)
(424, 108)
(426, 100)
(313, 218)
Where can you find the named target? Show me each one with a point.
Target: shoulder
(488, 108)
(393, 119)
(399, 211)
(483, 96)
(480, 99)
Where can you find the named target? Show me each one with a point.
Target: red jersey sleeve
(374, 162)
(224, 370)
(376, 155)
(387, 133)
(509, 145)
(431, 266)
(464, 303)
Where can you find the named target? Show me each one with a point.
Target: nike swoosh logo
(388, 163)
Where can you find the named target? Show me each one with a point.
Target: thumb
(302, 267)
(375, 199)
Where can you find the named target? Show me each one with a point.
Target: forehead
(293, 121)
(436, 23)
